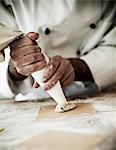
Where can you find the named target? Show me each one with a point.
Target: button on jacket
(66, 26)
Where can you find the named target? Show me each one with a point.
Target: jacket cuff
(5, 89)
(8, 87)
(102, 63)
(82, 71)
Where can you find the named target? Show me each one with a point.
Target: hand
(26, 54)
(58, 68)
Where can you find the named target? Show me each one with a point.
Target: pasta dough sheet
(47, 111)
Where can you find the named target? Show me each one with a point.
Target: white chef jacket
(66, 27)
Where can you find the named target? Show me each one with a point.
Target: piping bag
(7, 36)
(55, 92)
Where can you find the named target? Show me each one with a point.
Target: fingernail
(46, 87)
(51, 67)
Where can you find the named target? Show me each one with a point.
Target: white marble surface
(18, 120)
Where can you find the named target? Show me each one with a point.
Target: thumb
(32, 35)
(35, 85)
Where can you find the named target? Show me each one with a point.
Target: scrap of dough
(59, 108)
(67, 107)
(36, 115)
(2, 129)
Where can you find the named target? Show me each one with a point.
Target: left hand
(59, 68)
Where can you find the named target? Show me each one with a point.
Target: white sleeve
(5, 90)
(9, 88)
(102, 60)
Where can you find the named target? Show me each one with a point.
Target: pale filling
(63, 108)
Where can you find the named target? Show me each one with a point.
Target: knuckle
(58, 57)
(17, 64)
(55, 64)
(50, 68)
(29, 49)
(49, 86)
(25, 40)
(33, 68)
(20, 70)
(67, 64)
(54, 82)
(38, 48)
(43, 64)
(35, 48)
(33, 56)
(65, 61)
(59, 74)
(46, 87)
(51, 62)
(46, 74)
(40, 56)
(38, 66)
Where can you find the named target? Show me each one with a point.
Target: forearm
(82, 71)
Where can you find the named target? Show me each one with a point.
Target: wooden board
(60, 140)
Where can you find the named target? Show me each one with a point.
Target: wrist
(14, 75)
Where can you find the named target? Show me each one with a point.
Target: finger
(29, 59)
(25, 41)
(69, 80)
(57, 76)
(33, 41)
(36, 85)
(33, 35)
(51, 68)
(27, 70)
(20, 52)
(67, 73)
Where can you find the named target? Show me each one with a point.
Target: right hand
(26, 54)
